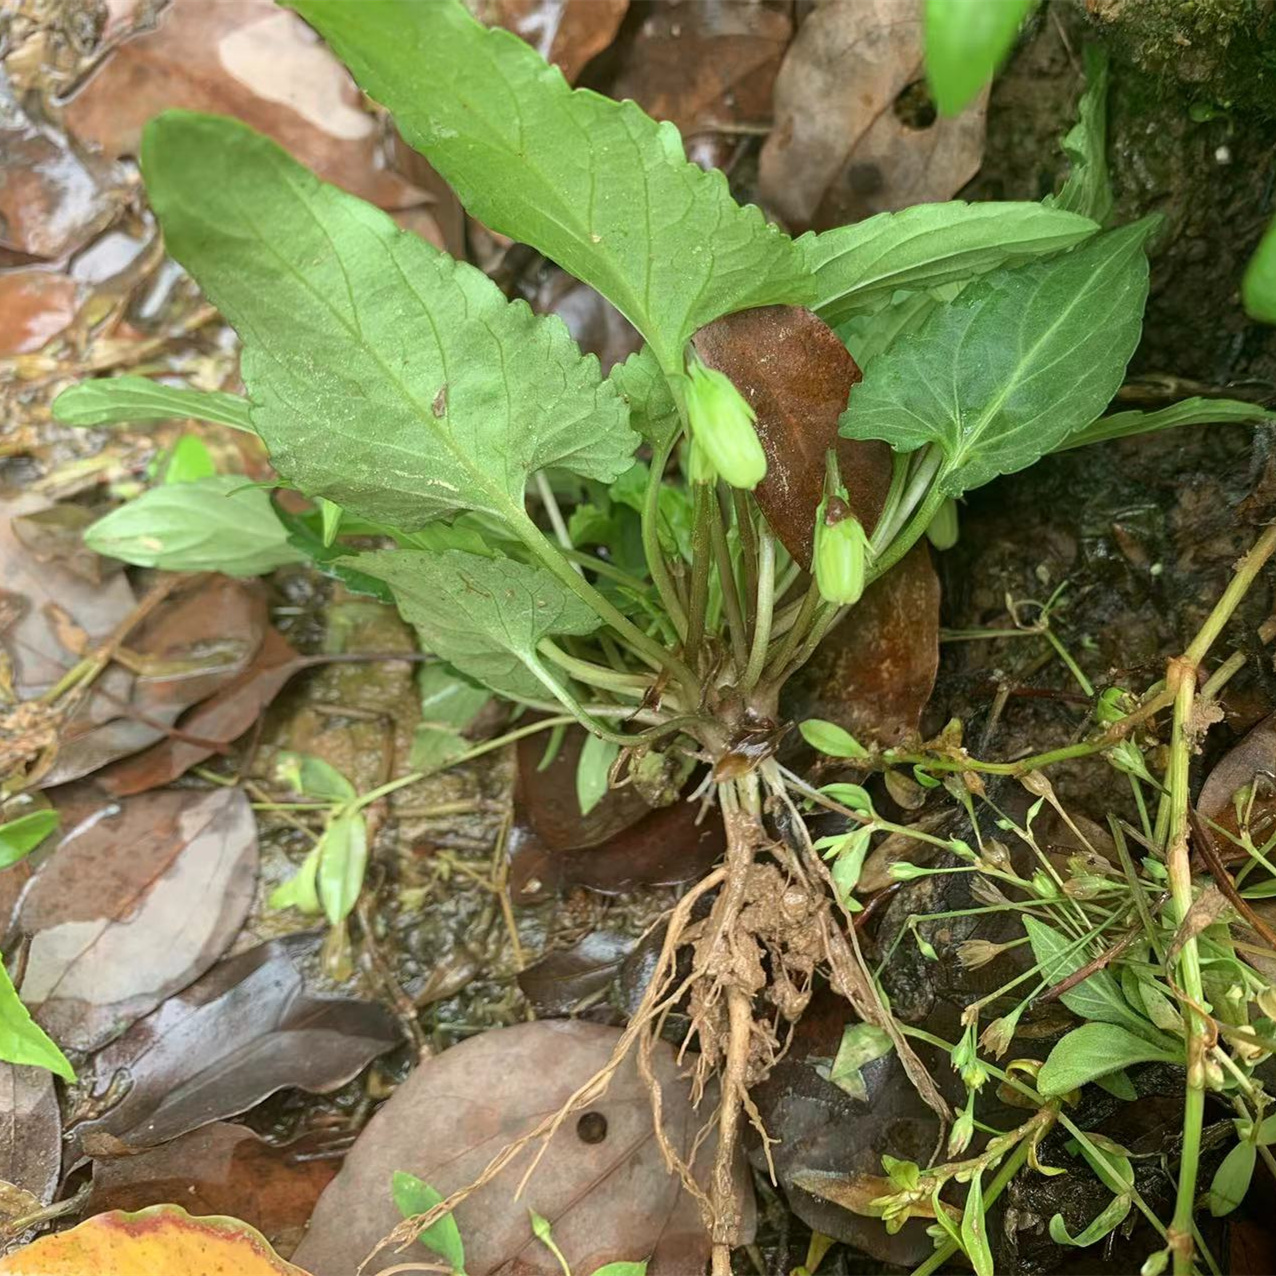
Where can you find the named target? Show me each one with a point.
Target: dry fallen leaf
(249, 59)
(138, 899)
(31, 1149)
(565, 32)
(247, 1028)
(602, 1182)
(797, 376)
(34, 307)
(1250, 762)
(847, 140)
(162, 1241)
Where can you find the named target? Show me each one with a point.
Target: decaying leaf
(163, 1239)
(874, 673)
(136, 901)
(248, 1028)
(797, 375)
(1244, 776)
(248, 59)
(34, 307)
(849, 140)
(602, 1182)
(565, 32)
(31, 1145)
(566, 978)
(222, 1169)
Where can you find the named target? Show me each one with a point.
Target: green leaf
(1097, 997)
(448, 700)
(1021, 359)
(1088, 190)
(1108, 1220)
(189, 461)
(622, 1269)
(594, 184)
(1119, 1085)
(18, 838)
(592, 770)
(413, 1197)
(1232, 1178)
(861, 1044)
(383, 375)
(858, 268)
(965, 43)
(303, 535)
(1258, 286)
(126, 400)
(1194, 411)
(22, 1040)
(652, 410)
(485, 616)
(1093, 1050)
(301, 890)
(210, 525)
(831, 739)
(343, 858)
(974, 1229)
(312, 777)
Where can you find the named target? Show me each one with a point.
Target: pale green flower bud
(942, 532)
(722, 424)
(841, 552)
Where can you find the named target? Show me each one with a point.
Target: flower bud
(942, 532)
(722, 424)
(841, 552)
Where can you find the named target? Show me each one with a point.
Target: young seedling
(605, 549)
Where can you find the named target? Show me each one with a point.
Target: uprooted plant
(648, 554)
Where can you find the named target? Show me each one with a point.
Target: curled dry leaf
(874, 673)
(797, 375)
(162, 1239)
(31, 1149)
(222, 1169)
(621, 844)
(1249, 764)
(848, 140)
(136, 901)
(220, 719)
(248, 1028)
(565, 32)
(248, 59)
(602, 1182)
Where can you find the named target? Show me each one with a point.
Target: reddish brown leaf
(248, 1028)
(847, 140)
(30, 1141)
(565, 32)
(34, 307)
(222, 1169)
(223, 717)
(621, 844)
(249, 59)
(797, 375)
(1250, 762)
(602, 1182)
(874, 673)
(135, 902)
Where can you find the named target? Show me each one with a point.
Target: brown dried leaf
(34, 307)
(248, 1028)
(220, 719)
(567, 33)
(797, 375)
(607, 1198)
(563, 979)
(222, 1170)
(136, 901)
(874, 673)
(249, 59)
(31, 1143)
(1251, 762)
(840, 149)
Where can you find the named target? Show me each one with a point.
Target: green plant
(599, 548)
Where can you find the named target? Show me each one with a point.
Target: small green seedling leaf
(861, 1043)
(213, 524)
(1094, 1050)
(974, 1229)
(1108, 1220)
(312, 777)
(384, 375)
(622, 1269)
(859, 268)
(1258, 286)
(189, 461)
(1020, 360)
(830, 739)
(484, 616)
(301, 890)
(130, 399)
(1232, 1178)
(1088, 190)
(449, 704)
(592, 771)
(343, 859)
(413, 1197)
(543, 1233)
(594, 184)
(965, 43)
(22, 1040)
(18, 838)
(1194, 411)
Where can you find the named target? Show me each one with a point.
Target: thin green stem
(910, 502)
(700, 551)
(1246, 571)
(656, 564)
(801, 626)
(764, 610)
(727, 584)
(748, 534)
(912, 532)
(555, 515)
(595, 675)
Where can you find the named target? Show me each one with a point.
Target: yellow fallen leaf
(161, 1241)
